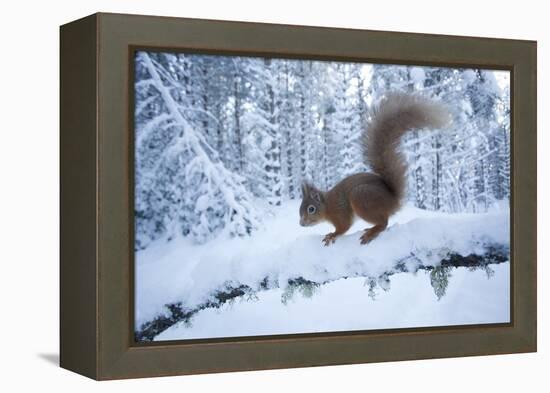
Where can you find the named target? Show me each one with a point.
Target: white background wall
(29, 197)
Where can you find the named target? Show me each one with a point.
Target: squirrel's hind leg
(374, 204)
(371, 233)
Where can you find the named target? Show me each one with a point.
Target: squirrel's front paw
(329, 238)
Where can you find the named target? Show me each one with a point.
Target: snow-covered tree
(181, 185)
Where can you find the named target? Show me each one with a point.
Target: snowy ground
(178, 271)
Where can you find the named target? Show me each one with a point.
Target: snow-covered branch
(176, 312)
(429, 243)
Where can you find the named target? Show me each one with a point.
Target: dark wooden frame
(97, 183)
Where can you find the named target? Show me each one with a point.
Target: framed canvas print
(240, 196)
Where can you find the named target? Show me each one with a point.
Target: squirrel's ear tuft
(305, 189)
(316, 196)
(309, 190)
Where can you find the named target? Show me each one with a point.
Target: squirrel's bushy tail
(394, 115)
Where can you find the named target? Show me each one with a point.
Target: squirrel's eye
(311, 209)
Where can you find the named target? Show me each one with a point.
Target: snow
(503, 79)
(182, 271)
(469, 76)
(418, 76)
(344, 305)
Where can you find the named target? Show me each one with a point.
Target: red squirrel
(374, 197)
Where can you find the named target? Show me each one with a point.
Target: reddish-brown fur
(374, 197)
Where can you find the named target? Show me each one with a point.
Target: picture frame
(96, 196)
